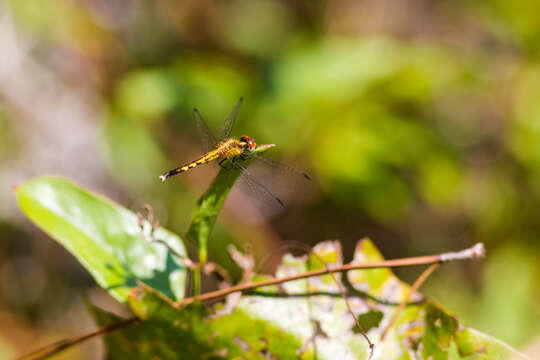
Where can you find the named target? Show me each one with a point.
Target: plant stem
(197, 280)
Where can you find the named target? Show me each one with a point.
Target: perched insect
(229, 148)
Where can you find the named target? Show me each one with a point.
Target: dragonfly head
(251, 144)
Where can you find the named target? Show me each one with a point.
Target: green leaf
(472, 344)
(209, 204)
(439, 329)
(104, 237)
(192, 333)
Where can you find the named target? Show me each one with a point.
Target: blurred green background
(419, 120)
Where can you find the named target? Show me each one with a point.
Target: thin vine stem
(421, 279)
(56, 347)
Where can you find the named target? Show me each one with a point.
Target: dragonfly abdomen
(226, 149)
(212, 155)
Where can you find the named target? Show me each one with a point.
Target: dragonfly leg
(235, 164)
(224, 167)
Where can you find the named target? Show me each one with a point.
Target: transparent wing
(257, 188)
(208, 139)
(228, 125)
(278, 168)
(290, 184)
(273, 186)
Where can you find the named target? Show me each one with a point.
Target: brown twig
(412, 290)
(63, 344)
(475, 252)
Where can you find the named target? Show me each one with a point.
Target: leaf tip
(264, 147)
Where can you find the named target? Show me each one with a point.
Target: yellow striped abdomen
(226, 149)
(212, 155)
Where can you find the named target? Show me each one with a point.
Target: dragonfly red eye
(249, 141)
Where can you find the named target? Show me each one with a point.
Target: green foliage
(472, 344)
(305, 318)
(193, 333)
(105, 237)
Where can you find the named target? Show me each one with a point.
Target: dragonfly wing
(228, 125)
(281, 169)
(208, 139)
(271, 185)
(257, 188)
(290, 184)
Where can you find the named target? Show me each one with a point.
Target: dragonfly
(225, 147)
